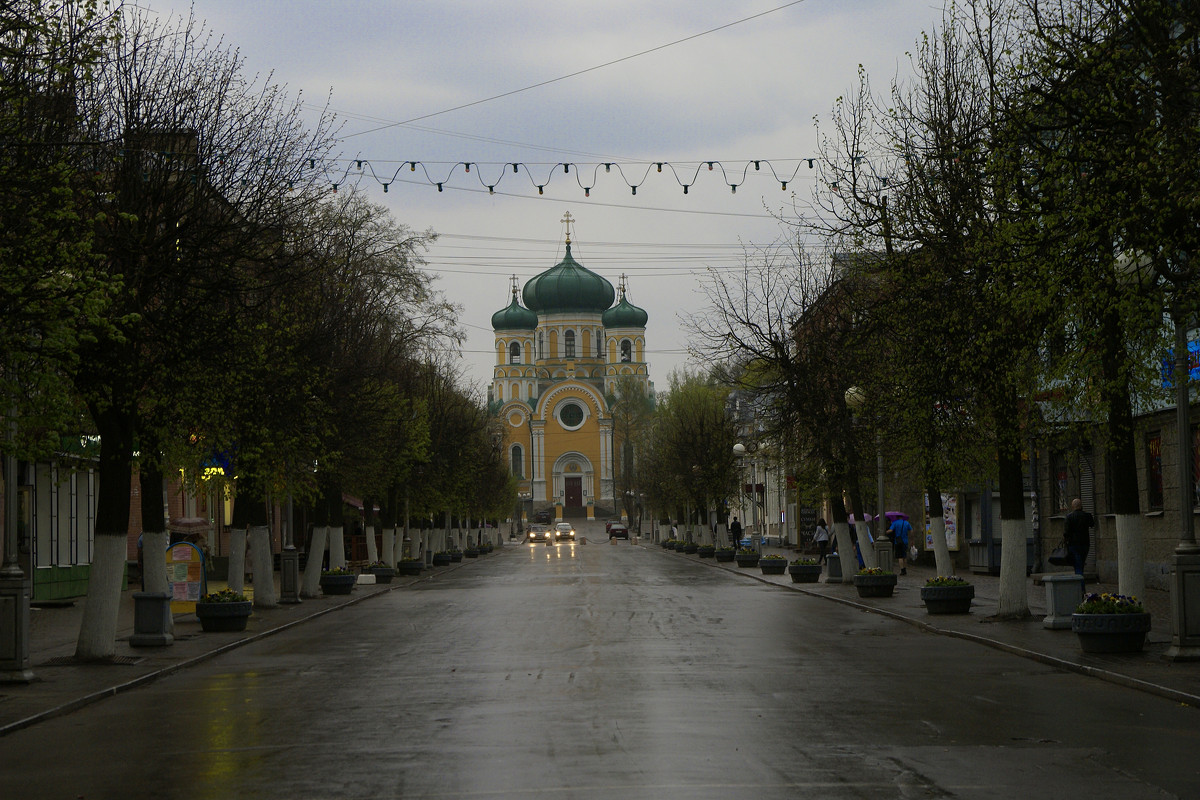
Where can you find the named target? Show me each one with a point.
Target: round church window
(570, 415)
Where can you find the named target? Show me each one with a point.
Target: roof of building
(514, 317)
(625, 315)
(568, 286)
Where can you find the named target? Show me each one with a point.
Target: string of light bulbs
(587, 174)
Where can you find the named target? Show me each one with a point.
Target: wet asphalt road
(596, 671)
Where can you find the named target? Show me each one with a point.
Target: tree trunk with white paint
(1014, 595)
(937, 529)
(98, 630)
(311, 584)
(262, 564)
(1131, 561)
(372, 549)
(863, 529)
(237, 559)
(845, 546)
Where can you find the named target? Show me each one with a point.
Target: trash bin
(833, 568)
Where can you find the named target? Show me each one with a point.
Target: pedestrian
(900, 530)
(674, 531)
(1078, 534)
(821, 539)
(735, 532)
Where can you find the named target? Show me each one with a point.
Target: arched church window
(541, 353)
(626, 351)
(518, 461)
(569, 344)
(514, 353)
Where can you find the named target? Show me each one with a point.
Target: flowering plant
(943, 580)
(408, 560)
(804, 562)
(774, 557)
(224, 596)
(1107, 603)
(747, 551)
(872, 571)
(724, 550)
(337, 571)
(376, 564)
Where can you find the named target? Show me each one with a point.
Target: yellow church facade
(558, 356)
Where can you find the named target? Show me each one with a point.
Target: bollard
(833, 568)
(1064, 591)
(152, 620)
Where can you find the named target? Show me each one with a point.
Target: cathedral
(559, 356)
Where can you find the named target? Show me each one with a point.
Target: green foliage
(1108, 603)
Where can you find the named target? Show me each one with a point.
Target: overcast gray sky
(707, 90)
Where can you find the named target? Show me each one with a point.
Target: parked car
(564, 530)
(539, 532)
(618, 530)
(608, 523)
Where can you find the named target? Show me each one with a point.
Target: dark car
(618, 530)
(543, 516)
(539, 532)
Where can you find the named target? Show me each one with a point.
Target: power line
(578, 72)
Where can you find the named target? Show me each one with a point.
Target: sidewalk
(61, 685)
(1147, 671)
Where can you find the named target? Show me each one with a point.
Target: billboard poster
(950, 515)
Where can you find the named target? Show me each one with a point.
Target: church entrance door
(573, 491)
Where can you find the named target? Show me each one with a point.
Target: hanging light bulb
(710, 166)
(566, 168)
(491, 190)
(514, 166)
(539, 190)
(659, 166)
(385, 188)
(466, 166)
(587, 191)
(810, 162)
(335, 188)
(412, 166)
(358, 163)
(608, 167)
(439, 187)
(685, 188)
(634, 189)
(733, 186)
(784, 185)
(312, 163)
(756, 165)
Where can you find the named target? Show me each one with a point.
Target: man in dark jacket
(1078, 534)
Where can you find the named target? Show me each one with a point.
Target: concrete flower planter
(772, 566)
(224, 617)
(948, 599)
(875, 585)
(1111, 633)
(338, 584)
(747, 559)
(383, 574)
(724, 556)
(804, 573)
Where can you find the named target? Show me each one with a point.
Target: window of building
(571, 415)
(518, 461)
(514, 353)
(626, 351)
(541, 353)
(569, 344)
(599, 344)
(1059, 476)
(1154, 475)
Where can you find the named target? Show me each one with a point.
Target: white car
(564, 530)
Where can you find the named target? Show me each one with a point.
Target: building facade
(562, 344)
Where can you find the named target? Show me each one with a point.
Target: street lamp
(739, 450)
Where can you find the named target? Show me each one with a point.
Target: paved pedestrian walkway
(62, 685)
(1147, 671)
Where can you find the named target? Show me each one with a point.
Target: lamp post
(14, 584)
(1185, 562)
(739, 450)
(289, 559)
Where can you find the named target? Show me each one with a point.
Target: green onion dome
(624, 315)
(515, 317)
(568, 286)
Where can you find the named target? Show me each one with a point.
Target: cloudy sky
(540, 83)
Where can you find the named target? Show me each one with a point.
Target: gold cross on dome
(567, 220)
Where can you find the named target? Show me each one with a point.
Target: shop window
(1154, 474)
